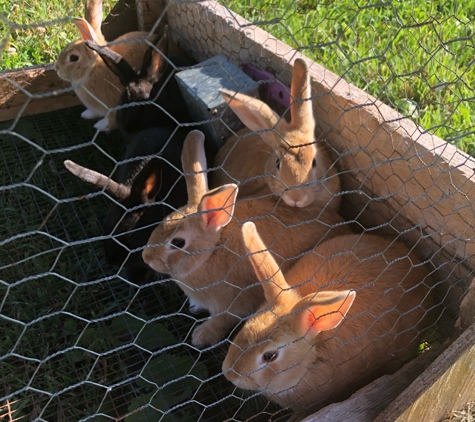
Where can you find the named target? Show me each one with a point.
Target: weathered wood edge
(148, 11)
(447, 384)
(33, 90)
(367, 403)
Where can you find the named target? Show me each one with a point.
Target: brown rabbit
(94, 84)
(285, 156)
(200, 245)
(353, 308)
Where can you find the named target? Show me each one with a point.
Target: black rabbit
(153, 83)
(148, 186)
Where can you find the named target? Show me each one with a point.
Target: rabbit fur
(152, 81)
(94, 84)
(200, 245)
(145, 190)
(343, 315)
(285, 156)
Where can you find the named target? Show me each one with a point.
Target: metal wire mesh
(85, 340)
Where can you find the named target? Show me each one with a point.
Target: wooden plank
(121, 19)
(411, 173)
(367, 403)
(33, 90)
(148, 14)
(448, 384)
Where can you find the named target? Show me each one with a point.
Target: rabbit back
(242, 160)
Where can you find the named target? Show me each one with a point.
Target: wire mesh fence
(107, 287)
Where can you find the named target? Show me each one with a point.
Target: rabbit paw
(195, 307)
(206, 334)
(103, 125)
(90, 114)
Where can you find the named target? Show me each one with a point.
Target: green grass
(35, 31)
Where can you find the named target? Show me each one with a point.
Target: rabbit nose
(303, 202)
(232, 376)
(299, 201)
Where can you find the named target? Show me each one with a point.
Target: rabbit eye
(270, 356)
(277, 162)
(314, 163)
(73, 58)
(178, 242)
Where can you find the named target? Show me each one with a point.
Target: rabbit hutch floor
(74, 328)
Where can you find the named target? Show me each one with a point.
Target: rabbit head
(146, 190)
(274, 351)
(152, 81)
(298, 168)
(185, 239)
(75, 61)
(138, 84)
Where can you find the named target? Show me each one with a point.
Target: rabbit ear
(193, 160)
(322, 311)
(154, 62)
(148, 182)
(100, 181)
(301, 109)
(255, 114)
(217, 207)
(86, 30)
(267, 271)
(93, 15)
(115, 62)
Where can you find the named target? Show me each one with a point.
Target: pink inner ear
(213, 220)
(217, 209)
(86, 30)
(324, 322)
(326, 317)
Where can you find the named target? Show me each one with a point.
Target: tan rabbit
(95, 85)
(294, 163)
(351, 310)
(201, 247)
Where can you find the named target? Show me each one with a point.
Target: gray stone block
(200, 87)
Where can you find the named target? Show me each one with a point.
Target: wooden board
(33, 90)
(448, 384)
(151, 14)
(366, 404)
